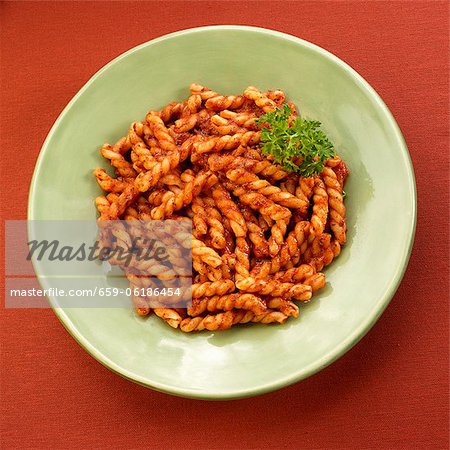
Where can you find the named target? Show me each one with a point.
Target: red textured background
(390, 391)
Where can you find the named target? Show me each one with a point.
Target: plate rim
(345, 345)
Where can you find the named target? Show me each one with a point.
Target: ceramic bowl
(381, 203)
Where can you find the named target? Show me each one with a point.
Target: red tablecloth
(390, 391)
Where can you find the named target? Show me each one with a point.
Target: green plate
(245, 360)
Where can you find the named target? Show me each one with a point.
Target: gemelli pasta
(261, 231)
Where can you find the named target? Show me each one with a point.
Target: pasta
(261, 233)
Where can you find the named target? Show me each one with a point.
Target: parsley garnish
(299, 147)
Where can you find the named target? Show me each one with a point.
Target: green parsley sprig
(299, 147)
